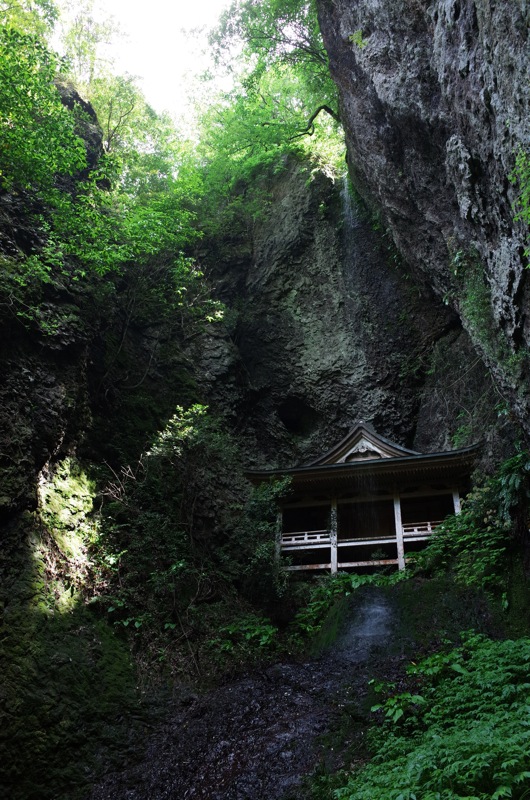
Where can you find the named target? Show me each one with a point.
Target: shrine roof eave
(457, 461)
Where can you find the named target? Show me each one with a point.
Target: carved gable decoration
(362, 444)
(362, 451)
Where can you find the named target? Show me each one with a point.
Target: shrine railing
(313, 540)
(421, 529)
(301, 539)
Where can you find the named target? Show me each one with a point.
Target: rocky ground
(260, 736)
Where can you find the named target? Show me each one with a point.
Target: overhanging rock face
(435, 102)
(367, 502)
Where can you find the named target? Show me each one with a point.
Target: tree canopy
(38, 132)
(29, 16)
(135, 205)
(284, 84)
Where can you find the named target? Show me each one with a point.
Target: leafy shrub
(246, 636)
(187, 547)
(521, 176)
(475, 542)
(38, 131)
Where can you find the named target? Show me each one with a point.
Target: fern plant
(463, 735)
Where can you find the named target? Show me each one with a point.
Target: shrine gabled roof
(360, 444)
(364, 452)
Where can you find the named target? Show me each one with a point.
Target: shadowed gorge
(209, 587)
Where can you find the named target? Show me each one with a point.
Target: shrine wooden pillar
(456, 501)
(279, 531)
(399, 532)
(333, 535)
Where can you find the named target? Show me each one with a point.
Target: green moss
(474, 299)
(60, 550)
(330, 628)
(436, 610)
(68, 683)
(69, 492)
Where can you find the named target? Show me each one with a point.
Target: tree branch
(309, 128)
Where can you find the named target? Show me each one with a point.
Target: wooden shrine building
(367, 502)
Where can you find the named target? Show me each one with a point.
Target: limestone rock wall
(435, 102)
(325, 327)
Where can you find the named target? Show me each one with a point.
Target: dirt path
(256, 738)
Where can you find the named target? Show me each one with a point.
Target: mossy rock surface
(68, 682)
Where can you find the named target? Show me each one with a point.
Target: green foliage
(395, 707)
(521, 176)
(283, 104)
(122, 112)
(472, 294)
(38, 133)
(133, 214)
(460, 733)
(247, 638)
(244, 156)
(358, 39)
(149, 166)
(266, 118)
(476, 305)
(276, 31)
(105, 231)
(137, 206)
(186, 546)
(83, 36)
(474, 543)
(29, 16)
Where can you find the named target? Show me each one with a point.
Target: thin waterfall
(370, 627)
(351, 225)
(347, 205)
(354, 256)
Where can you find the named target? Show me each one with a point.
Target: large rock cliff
(326, 326)
(435, 99)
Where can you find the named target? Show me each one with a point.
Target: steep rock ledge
(435, 102)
